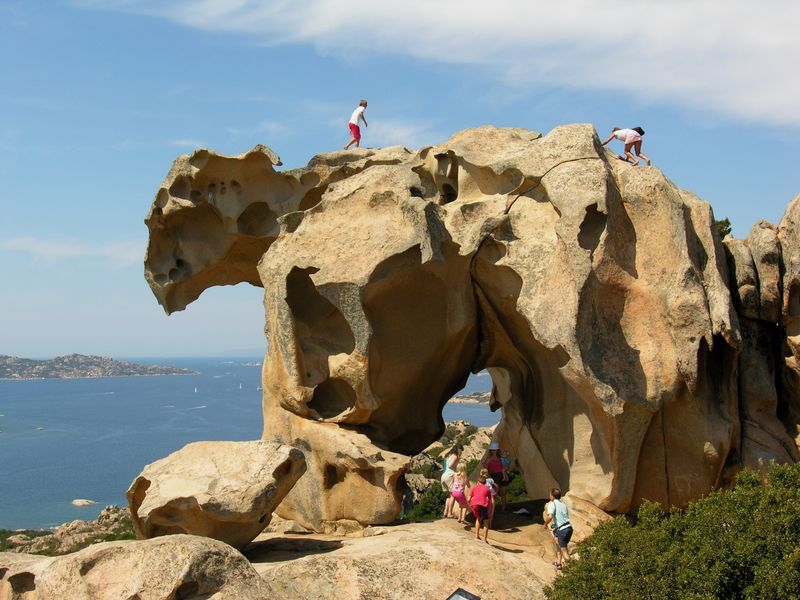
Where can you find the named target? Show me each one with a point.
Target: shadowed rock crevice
(320, 329)
(592, 228)
(418, 372)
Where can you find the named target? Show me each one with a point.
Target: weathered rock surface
(596, 294)
(113, 522)
(167, 568)
(419, 561)
(222, 490)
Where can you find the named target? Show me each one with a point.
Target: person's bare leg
(448, 507)
(638, 148)
(477, 529)
(630, 155)
(350, 143)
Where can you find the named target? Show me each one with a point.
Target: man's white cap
(494, 446)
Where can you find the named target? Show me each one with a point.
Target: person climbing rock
(632, 138)
(355, 130)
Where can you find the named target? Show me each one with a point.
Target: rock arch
(597, 295)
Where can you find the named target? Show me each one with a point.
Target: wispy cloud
(186, 143)
(271, 129)
(735, 57)
(121, 254)
(397, 132)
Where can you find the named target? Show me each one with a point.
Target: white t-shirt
(622, 134)
(357, 113)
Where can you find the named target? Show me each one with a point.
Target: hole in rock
(257, 220)
(321, 332)
(448, 193)
(471, 403)
(332, 397)
(22, 582)
(332, 476)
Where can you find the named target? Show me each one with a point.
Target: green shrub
(743, 543)
(6, 546)
(436, 452)
(471, 464)
(430, 505)
(516, 492)
(428, 470)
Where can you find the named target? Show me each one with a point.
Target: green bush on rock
(743, 543)
(430, 505)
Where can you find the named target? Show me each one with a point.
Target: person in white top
(632, 138)
(355, 130)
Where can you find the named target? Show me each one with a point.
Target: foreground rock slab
(222, 490)
(168, 568)
(409, 562)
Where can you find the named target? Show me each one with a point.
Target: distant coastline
(79, 366)
(473, 398)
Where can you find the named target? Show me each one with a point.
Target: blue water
(89, 438)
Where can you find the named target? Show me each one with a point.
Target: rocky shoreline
(79, 366)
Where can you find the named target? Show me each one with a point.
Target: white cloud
(186, 143)
(121, 254)
(735, 57)
(395, 132)
(271, 129)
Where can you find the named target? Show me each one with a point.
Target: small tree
(723, 227)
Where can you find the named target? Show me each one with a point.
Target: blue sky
(98, 97)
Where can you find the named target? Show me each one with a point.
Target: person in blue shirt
(556, 517)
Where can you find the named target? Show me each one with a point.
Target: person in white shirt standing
(355, 130)
(632, 138)
(556, 516)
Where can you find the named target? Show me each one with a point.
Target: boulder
(596, 294)
(179, 566)
(423, 560)
(222, 490)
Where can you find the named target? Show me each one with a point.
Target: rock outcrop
(178, 566)
(222, 490)
(423, 560)
(596, 294)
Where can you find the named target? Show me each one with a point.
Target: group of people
(632, 138)
(481, 497)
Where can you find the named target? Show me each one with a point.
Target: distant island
(473, 398)
(75, 366)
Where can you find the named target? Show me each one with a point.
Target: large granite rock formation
(222, 490)
(177, 566)
(596, 294)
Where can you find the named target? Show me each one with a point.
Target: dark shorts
(355, 131)
(563, 535)
(498, 479)
(481, 512)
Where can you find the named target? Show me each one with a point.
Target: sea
(66, 439)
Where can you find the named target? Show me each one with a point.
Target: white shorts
(632, 137)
